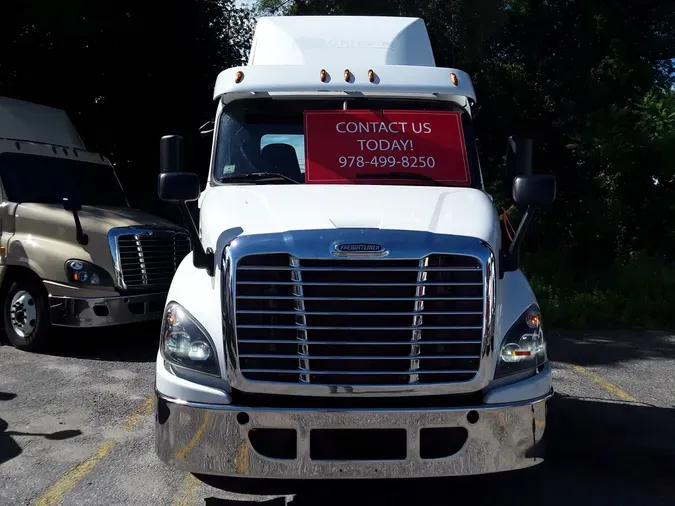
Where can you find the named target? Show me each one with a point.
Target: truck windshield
(48, 180)
(262, 141)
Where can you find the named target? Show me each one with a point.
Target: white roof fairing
(289, 52)
(341, 40)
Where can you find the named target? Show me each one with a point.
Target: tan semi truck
(73, 253)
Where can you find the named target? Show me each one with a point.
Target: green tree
(591, 81)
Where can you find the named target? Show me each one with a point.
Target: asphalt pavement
(76, 428)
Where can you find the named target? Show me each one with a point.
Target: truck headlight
(524, 346)
(184, 342)
(86, 273)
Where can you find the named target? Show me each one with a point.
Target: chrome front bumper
(214, 439)
(103, 312)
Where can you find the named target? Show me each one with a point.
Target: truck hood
(43, 236)
(94, 220)
(247, 210)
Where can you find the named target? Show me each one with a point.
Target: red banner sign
(348, 146)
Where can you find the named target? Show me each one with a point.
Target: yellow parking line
(53, 495)
(188, 496)
(139, 413)
(605, 384)
(242, 459)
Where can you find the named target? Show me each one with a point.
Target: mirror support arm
(81, 237)
(200, 259)
(511, 258)
(74, 207)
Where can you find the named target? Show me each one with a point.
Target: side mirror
(534, 190)
(171, 154)
(529, 191)
(518, 157)
(178, 186)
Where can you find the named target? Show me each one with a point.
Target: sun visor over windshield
(344, 146)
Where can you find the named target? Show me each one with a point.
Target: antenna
(452, 37)
(282, 5)
(227, 39)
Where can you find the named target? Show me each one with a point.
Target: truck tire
(26, 314)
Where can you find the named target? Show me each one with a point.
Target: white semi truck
(350, 308)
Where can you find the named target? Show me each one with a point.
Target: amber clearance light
(323, 75)
(238, 77)
(348, 75)
(533, 319)
(454, 79)
(371, 76)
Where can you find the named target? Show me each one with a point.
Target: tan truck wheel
(26, 314)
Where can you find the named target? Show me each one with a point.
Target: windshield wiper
(398, 175)
(258, 176)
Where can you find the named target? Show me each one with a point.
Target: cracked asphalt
(76, 428)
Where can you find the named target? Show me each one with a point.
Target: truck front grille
(151, 259)
(359, 322)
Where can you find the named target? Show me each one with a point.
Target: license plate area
(358, 444)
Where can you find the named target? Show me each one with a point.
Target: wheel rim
(23, 314)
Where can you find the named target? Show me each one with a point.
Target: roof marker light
(348, 75)
(371, 76)
(238, 78)
(454, 79)
(323, 75)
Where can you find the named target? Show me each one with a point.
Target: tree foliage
(127, 72)
(590, 80)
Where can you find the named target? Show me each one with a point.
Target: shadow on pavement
(599, 453)
(603, 348)
(10, 448)
(128, 343)
(213, 501)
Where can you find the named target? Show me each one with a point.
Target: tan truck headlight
(185, 343)
(85, 273)
(524, 346)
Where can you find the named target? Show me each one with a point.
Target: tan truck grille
(151, 259)
(359, 322)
